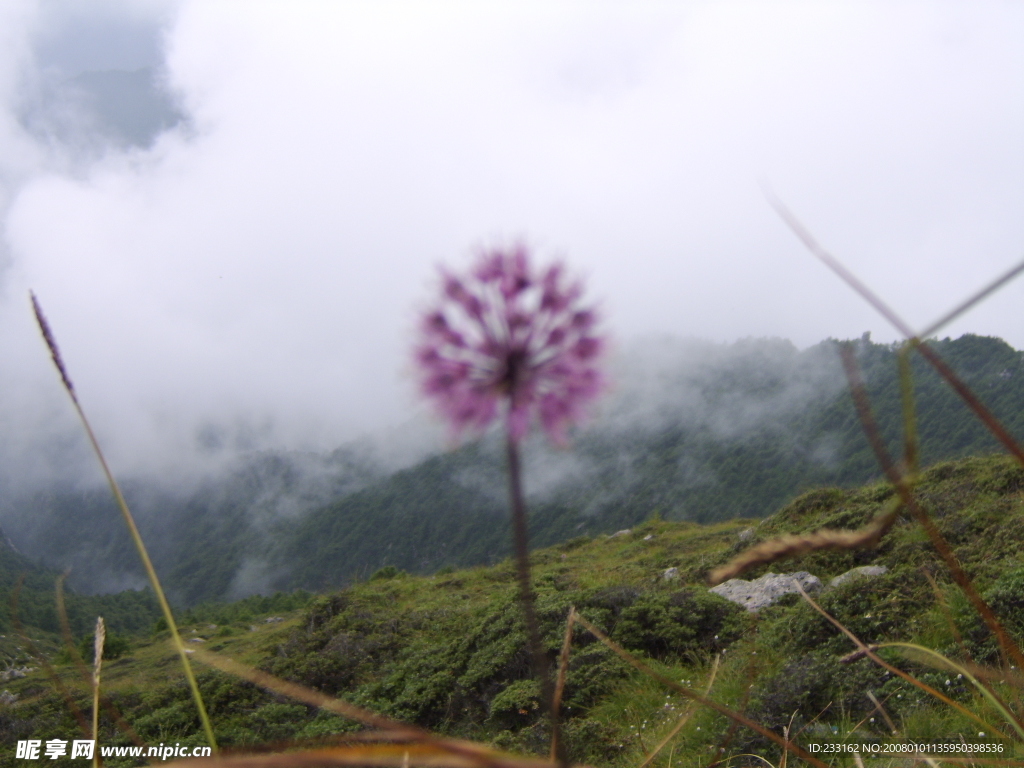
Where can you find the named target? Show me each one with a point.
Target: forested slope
(690, 431)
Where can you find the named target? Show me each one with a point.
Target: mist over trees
(691, 431)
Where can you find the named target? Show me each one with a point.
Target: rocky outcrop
(759, 593)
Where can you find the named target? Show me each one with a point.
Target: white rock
(670, 573)
(856, 573)
(758, 593)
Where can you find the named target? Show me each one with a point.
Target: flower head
(508, 338)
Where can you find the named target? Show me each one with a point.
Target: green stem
(51, 344)
(153, 580)
(527, 597)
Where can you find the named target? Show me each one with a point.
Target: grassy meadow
(446, 652)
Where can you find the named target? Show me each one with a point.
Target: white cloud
(263, 264)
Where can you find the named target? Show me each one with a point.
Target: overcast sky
(257, 270)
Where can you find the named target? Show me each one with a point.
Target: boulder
(758, 593)
(670, 573)
(863, 571)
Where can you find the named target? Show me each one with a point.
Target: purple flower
(508, 339)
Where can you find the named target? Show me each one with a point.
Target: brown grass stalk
(460, 750)
(792, 545)
(97, 666)
(685, 717)
(51, 673)
(694, 696)
(903, 489)
(563, 670)
(914, 339)
(427, 755)
(867, 651)
(76, 657)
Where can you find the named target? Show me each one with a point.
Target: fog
(234, 261)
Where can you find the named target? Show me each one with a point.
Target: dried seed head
(44, 328)
(793, 545)
(97, 648)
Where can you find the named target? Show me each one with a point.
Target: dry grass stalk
(51, 673)
(386, 755)
(462, 752)
(563, 670)
(76, 657)
(694, 696)
(307, 695)
(773, 550)
(685, 717)
(858, 654)
(881, 710)
(914, 339)
(793, 545)
(97, 666)
(129, 521)
(905, 493)
(867, 651)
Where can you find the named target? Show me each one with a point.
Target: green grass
(446, 651)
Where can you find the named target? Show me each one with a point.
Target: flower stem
(527, 597)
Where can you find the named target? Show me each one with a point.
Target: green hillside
(688, 467)
(34, 588)
(694, 431)
(446, 651)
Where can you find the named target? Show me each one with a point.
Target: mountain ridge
(697, 431)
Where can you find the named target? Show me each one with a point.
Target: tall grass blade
(793, 545)
(881, 710)
(391, 729)
(685, 717)
(984, 293)
(836, 266)
(935, 659)
(79, 662)
(910, 447)
(867, 651)
(967, 395)
(306, 695)
(563, 670)
(899, 482)
(129, 520)
(97, 666)
(51, 673)
(689, 693)
(929, 354)
(384, 755)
